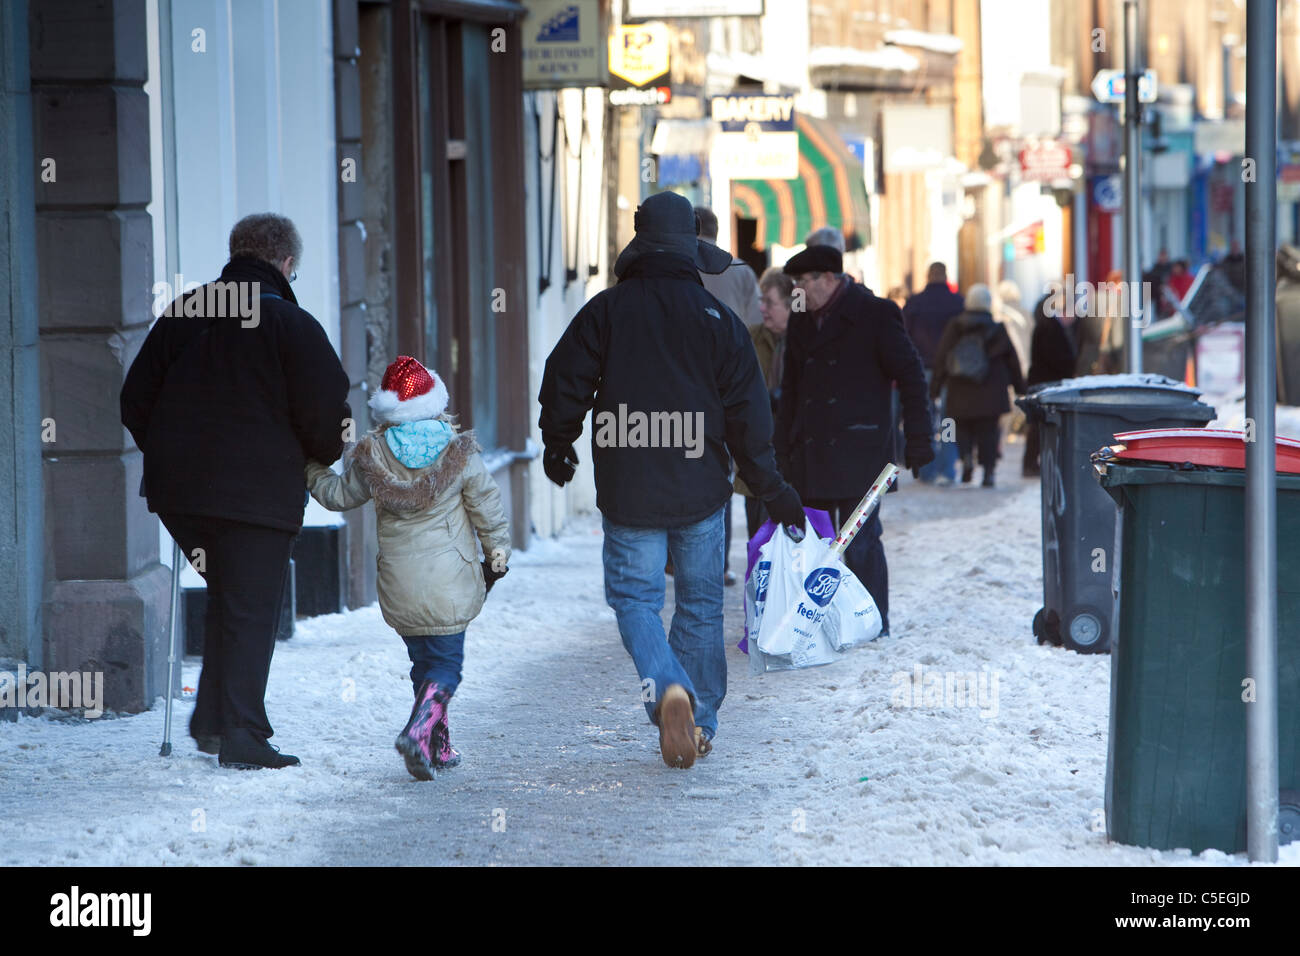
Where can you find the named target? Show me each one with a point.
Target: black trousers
(755, 514)
(1033, 447)
(978, 434)
(246, 568)
(865, 556)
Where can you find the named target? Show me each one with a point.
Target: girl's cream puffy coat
(430, 580)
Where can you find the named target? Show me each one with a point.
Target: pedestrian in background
(1051, 359)
(776, 289)
(977, 363)
(737, 289)
(925, 317)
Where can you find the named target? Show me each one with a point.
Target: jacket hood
(662, 265)
(391, 488)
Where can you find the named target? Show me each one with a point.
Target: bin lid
(1141, 388)
(1202, 447)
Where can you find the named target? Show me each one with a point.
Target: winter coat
(659, 343)
(834, 426)
(1052, 357)
(428, 519)
(927, 314)
(737, 289)
(987, 399)
(766, 345)
(228, 410)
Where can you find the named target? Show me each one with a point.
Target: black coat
(833, 423)
(1051, 350)
(987, 399)
(227, 411)
(927, 314)
(658, 342)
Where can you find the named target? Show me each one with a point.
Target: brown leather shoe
(676, 727)
(703, 746)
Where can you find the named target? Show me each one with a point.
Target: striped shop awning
(828, 192)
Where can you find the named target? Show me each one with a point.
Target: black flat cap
(815, 259)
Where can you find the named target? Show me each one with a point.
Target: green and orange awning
(828, 192)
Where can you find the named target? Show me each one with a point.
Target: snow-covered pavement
(832, 765)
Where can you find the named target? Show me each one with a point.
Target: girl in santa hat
(435, 504)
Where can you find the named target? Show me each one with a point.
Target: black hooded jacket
(658, 349)
(987, 399)
(228, 409)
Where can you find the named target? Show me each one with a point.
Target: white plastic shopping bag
(803, 606)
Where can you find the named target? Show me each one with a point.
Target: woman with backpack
(977, 362)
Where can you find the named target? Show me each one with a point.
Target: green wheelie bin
(1176, 757)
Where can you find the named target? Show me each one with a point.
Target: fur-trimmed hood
(398, 488)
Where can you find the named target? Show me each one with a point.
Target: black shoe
(245, 750)
(967, 475)
(208, 743)
(988, 480)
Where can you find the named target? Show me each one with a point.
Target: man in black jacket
(675, 385)
(925, 316)
(834, 430)
(234, 388)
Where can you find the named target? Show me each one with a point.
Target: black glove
(559, 461)
(787, 509)
(492, 576)
(918, 453)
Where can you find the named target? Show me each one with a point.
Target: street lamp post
(1132, 188)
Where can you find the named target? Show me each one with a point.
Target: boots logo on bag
(821, 585)
(762, 572)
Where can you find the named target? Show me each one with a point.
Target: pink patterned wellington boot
(444, 757)
(416, 741)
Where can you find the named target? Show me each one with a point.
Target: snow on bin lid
(1205, 447)
(1134, 388)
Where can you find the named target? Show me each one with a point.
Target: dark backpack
(969, 358)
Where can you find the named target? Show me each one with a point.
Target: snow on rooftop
(937, 42)
(885, 58)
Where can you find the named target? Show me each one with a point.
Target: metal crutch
(178, 560)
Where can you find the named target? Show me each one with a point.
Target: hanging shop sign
(638, 55)
(757, 138)
(563, 44)
(1045, 162)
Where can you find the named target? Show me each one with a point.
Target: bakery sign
(756, 137)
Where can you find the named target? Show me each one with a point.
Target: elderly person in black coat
(234, 388)
(978, 362)
(844, 348)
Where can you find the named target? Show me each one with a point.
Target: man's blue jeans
(692, 653)
(945, 457)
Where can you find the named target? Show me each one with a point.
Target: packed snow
(841, 764)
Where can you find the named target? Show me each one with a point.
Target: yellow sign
(638, 54)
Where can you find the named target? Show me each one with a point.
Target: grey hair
(826, 236)
(266, 236)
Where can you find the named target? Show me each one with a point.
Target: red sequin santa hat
(408, 393)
